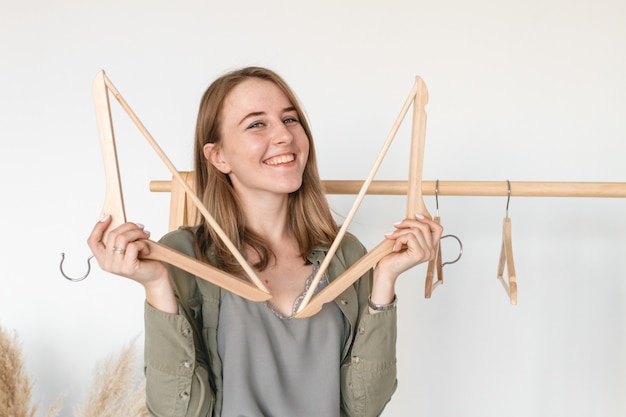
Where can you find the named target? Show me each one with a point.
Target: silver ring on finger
(121, 251)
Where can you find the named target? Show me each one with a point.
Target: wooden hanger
(434, 265)
(437, 264)
(418, 97)
(506, 256)
(114, 201)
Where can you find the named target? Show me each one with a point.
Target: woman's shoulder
(350, 250)
(181, 240)
(352, 246)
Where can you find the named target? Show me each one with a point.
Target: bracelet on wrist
(382, 307)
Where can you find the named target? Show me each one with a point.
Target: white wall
(520, 90)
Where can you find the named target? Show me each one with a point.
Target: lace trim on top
(296, 304)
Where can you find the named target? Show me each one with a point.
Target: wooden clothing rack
(487, 188)
(462, 188)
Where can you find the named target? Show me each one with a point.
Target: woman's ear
(213, 154)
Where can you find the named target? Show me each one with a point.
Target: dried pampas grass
(117, 390)
(15, 384)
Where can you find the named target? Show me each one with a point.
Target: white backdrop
(528, 90)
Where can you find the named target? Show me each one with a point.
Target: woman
(256, 170)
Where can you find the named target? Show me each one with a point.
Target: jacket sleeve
(369, 374)
(177, 376)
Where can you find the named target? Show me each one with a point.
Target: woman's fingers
(415, 241)
(124, 260)
(435, 228)
(119, 251)
(425, 232)
(119, 238)
(413, 238)
(95, 238)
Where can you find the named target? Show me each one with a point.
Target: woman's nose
(282, 134)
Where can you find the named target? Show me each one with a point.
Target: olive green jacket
(183, 368)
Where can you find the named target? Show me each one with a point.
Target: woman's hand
(415, 241)
(121, 254)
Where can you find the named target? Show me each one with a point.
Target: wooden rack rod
(467, 188)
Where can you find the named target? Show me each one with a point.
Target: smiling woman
(266, 150)
(210, 352)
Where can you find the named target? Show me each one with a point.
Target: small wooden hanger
(418, 97)
(114, 201)
(437, 264)
(434, 265)
(506, 255)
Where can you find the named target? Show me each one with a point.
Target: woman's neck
(268, 218)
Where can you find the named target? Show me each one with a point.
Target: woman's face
(263, 147)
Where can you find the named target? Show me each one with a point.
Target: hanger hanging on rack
(114, 201)
(436, 265)
(506, 255)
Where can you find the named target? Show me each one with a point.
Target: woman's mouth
(280, 159)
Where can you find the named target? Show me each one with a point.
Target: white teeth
(283, 159)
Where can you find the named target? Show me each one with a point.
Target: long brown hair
(310, 218)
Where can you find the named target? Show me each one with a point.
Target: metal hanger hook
(79, 278)
(437, 197)
(447, 236)
(508, 198)
(460, 249)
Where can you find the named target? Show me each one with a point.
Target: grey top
(184, 369)
(279, 366)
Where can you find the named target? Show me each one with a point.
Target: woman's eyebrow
(252, 114)
(262, 113)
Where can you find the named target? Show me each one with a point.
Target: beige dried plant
(15, 384)
(116, 390)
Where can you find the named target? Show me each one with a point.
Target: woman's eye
(290, 120)
(255, 125)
